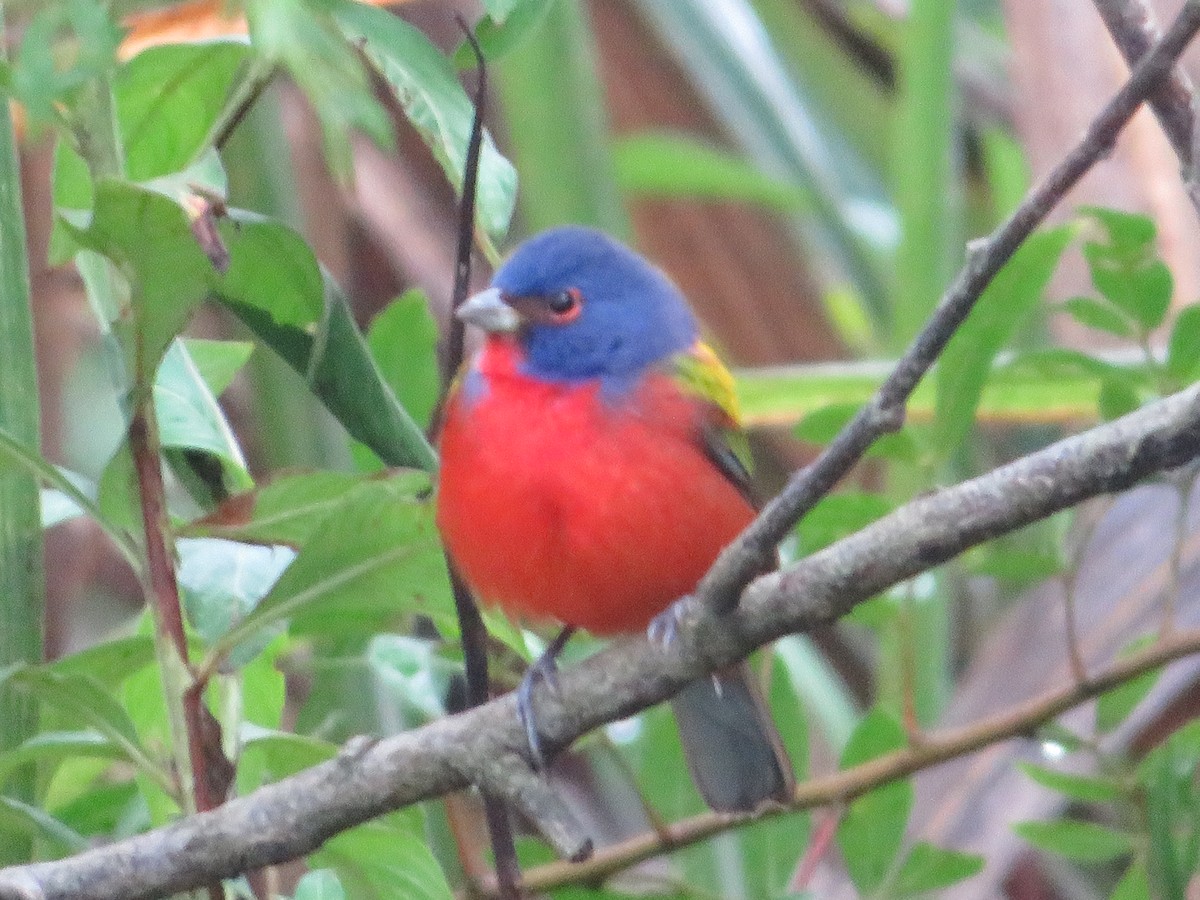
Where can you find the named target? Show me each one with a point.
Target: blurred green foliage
(336, 576)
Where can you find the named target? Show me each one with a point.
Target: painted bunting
(590, 475)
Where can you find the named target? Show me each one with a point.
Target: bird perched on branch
(590, 474)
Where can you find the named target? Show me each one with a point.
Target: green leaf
(676, 165)
(1117, 398)
(403, 341)
(291, 507)
(964, 366)
(1015, 564)
(18, 816)
(64, 46)
(838, 515)
(218, 362)
(872, 830)
(378, 554)
(1183, 349)
(304, 39)
(822, 425)
(1114, 706)
(1126, 270)
(1080, 841)
(221, 583)
(1086, 789)
(427, 86)
(1134, 884)
(389, 857)
(496, 38)
(271, 755)
(109, 662)
(85, 701)
(168, 99)
(276, 288)
(413, 680)
(929, 868)
(49, 748)
(319, 884)
(1100, 316)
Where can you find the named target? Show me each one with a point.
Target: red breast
(559, 503)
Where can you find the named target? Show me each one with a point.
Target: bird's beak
(487, 310)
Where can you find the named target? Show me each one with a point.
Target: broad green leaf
(436, 104)
(275, 286)
(321, 884)
(1015, 564)
(1084, 788)
(218, 362)
(403, 341)
(1134, 884)
(302, 37)
(1132, 233)
(22, 817)
(496, 38)
(1183, 350)
(675, 165)
(138, 229)
(49, 748)
(168, 99)
(872, 830)
(190, 418)
(838, 515)
(108, 662)
(1080, 841)
(1100, 316)
(1114, 706)
(929, 868)
(389, 856)
(83, 700)
(290, 508)
(222, 581)
(269, 755)
(110, 811)
(377, 555)
(499, 10)
(966, 363)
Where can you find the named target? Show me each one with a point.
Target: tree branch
(296, 815)
(753, 549)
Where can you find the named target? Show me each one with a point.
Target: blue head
(584, 306)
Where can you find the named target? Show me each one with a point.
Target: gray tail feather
(733, 749)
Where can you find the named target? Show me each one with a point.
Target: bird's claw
(544, 669)
(664, 628)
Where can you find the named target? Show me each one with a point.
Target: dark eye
(565, 305)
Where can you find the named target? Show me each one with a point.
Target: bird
(592, 469)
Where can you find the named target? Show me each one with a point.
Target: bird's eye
(565, 305)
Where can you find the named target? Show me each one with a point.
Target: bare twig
(296, 815)
(885, 412)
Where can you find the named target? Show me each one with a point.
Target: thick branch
(295, 816)
(885, 412)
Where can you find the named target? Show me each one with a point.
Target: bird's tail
(733, 749)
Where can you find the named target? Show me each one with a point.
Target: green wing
(701, 374)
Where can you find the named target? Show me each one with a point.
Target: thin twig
(294, 816)
(885, 412)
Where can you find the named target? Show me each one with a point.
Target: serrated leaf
(929, 868)
(872, 829)
(436, 104)
(1183, 349)
(1080, 841)
(377, 555)
(1100, 316)
(1086, 789)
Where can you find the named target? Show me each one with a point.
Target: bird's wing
(702, 376)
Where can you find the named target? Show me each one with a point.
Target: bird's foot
(664, 628)
(544, 669)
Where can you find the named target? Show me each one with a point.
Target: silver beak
(487, 310)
